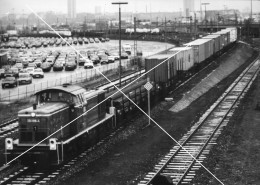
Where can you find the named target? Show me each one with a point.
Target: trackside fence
(24, 91)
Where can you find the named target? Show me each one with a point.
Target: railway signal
(148, 86)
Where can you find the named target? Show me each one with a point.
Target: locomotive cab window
(55, 96)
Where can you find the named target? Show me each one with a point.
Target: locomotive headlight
(9, 144)
(33, 114)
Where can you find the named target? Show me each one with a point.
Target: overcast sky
(133, 5)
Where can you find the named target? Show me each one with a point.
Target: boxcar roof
(160, 56)
(197, 42)
(211, 36)
(72, 89)
(180, 48)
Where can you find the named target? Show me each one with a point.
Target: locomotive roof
(44, 109)
(72, 89)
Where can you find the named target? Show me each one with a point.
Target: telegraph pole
(205, 4)
(119, 4)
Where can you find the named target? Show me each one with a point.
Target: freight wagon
(161, 67)
(224, 38)
(183, 57)
(233, 34)
(202, 49)
(217, 42)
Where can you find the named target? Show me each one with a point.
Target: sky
(19, 6)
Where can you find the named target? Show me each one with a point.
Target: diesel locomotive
(59, 122)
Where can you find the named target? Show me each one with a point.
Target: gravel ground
(133, 152)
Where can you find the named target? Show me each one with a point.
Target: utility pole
(119, 4)
(205, 4)
(217, 20)
(251, 13)
(195, 24)
(165, 29)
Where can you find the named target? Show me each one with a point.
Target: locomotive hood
(47, 108)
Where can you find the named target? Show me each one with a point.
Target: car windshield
(9, 78)
(24, 75)
(38, 70)
(29, 69)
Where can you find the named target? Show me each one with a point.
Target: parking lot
(53, 78)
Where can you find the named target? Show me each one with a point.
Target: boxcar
(217, 45)
(164, 67)
(203, 49)
(184, 58)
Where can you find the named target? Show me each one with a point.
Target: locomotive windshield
(56, 96)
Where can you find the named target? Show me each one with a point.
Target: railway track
(8, 127)
(181, 163)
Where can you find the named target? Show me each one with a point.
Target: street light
(119, 3)
(205, 4)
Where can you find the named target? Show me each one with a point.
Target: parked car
(30, 70)
(38, 62)
(88, 64)
(70, 65)
(96, 40)
(111, 59)
(114, 54)
(82, 61)
(94, 58)
(38, 73)
(104, 59)
(24, 78)
(14, 71)
(124, 55)
(9, 81)
(91, 40)
(58, 66)
(51, 60)
(2, 72)
(19, 66)
(34, 65)
(46, 66)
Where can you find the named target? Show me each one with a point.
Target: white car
(38, 73)
(30, 70)
(115, 55)
(88, 64)
(111, 59)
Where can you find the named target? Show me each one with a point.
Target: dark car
(58, 66)
(102, 39)
(94, 58)
(104, 59)
(46, 66)
(70, 65)
(9, 82)
(2, 72)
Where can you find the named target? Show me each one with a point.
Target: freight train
(69, 118)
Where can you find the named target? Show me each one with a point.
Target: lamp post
(119, 3)
(205, 4)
